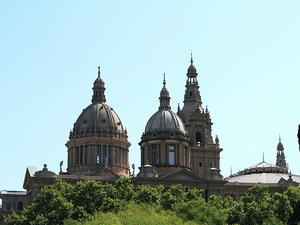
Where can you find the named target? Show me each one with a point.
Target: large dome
(98, 119)
(165, 120)
(99, 116)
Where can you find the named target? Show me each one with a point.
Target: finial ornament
(164, 82)
(263, 156)
(99, 72)
(60, 166)
(217, 139)
(192, 57)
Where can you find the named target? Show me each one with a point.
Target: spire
(192, 93)
(99, 72)
(98, 89)
(192, 73)
(178, 108)
(164, 96)
(280, 158)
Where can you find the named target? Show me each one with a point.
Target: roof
(262, 164)
(165, 120)
(264, 178)
(5, 192)
(262, 167)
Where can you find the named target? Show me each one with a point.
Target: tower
(98, 139)
(164, 143)
(280, 158)
(205, 154)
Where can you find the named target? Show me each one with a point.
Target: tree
(148, 194)
(200, 212)
(282, 207)
(293, 195)
(51, 206)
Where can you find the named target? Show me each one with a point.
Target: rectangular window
(184, 157)
(200, 164)
(77, 155)
(109, 154)
(171, 158)
(171, 155)
(98, 160)
(123, 156)
(171, 147)
(81, 155)
(86, 154)
(155, 158)
(119, 156)
(103, 153)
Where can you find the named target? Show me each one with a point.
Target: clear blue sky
(247, 54)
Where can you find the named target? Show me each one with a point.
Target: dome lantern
(98, 89)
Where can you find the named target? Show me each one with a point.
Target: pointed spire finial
(206, 110)
(279, 137)
(99, 72)
(192, 57)
(164, 96)
(263, 156)
(178, 108)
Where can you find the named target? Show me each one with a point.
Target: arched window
(20, 205)
(198, 139)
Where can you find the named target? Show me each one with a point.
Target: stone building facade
(176, 148)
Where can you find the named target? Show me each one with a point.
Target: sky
(247, 54)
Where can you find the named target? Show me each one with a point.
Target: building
(277, 176)
(175, 148)
(178, 147)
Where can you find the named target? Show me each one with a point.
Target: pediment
(30, 171)
(182, 174)
(106, 173)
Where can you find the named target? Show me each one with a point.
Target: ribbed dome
(165, 120)
(192, 69)
(98, 116)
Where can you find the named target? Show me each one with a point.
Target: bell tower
(280, 159)
(205, 153)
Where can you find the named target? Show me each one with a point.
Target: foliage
(256, 207)
(62, 201)
(282, 207)
(124, 203)
(200, 212)
(293, 195)
(135, 214)
(148, 194)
